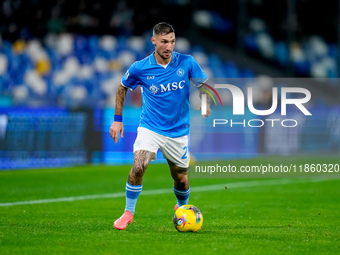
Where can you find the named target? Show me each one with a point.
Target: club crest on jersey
(153, 89)
(180, 72)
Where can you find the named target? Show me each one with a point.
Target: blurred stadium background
(61, 62)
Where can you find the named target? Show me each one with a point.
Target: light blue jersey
(165, 92)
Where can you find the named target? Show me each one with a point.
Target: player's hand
(208, 111)
(115, 129)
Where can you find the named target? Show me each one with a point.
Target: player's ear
(153, 40)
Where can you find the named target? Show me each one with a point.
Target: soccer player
(164, 123)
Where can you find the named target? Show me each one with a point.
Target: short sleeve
(196, 74)
(130, 79)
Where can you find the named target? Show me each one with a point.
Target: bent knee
(183, 178)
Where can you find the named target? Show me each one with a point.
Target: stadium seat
(84, 71)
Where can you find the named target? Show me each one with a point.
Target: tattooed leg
(134, 187)
(180, 176)
(140, 163)
(181, 184)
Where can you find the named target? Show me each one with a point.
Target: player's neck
(162, 61)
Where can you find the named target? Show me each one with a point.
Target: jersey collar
(152, 59)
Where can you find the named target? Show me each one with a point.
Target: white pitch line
(233, 185)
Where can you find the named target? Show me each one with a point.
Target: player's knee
(141, 162)
(138, 170)
(182, 178)
(182, 182)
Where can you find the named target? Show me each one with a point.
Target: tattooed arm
(117, 127)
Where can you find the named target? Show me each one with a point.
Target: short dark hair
(163, 28)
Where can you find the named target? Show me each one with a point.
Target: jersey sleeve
(196, 74)
(130, 79)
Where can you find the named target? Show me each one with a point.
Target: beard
(164, 54)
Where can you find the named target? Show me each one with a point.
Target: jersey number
(185, 156)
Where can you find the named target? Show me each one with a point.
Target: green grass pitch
(301, 216)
